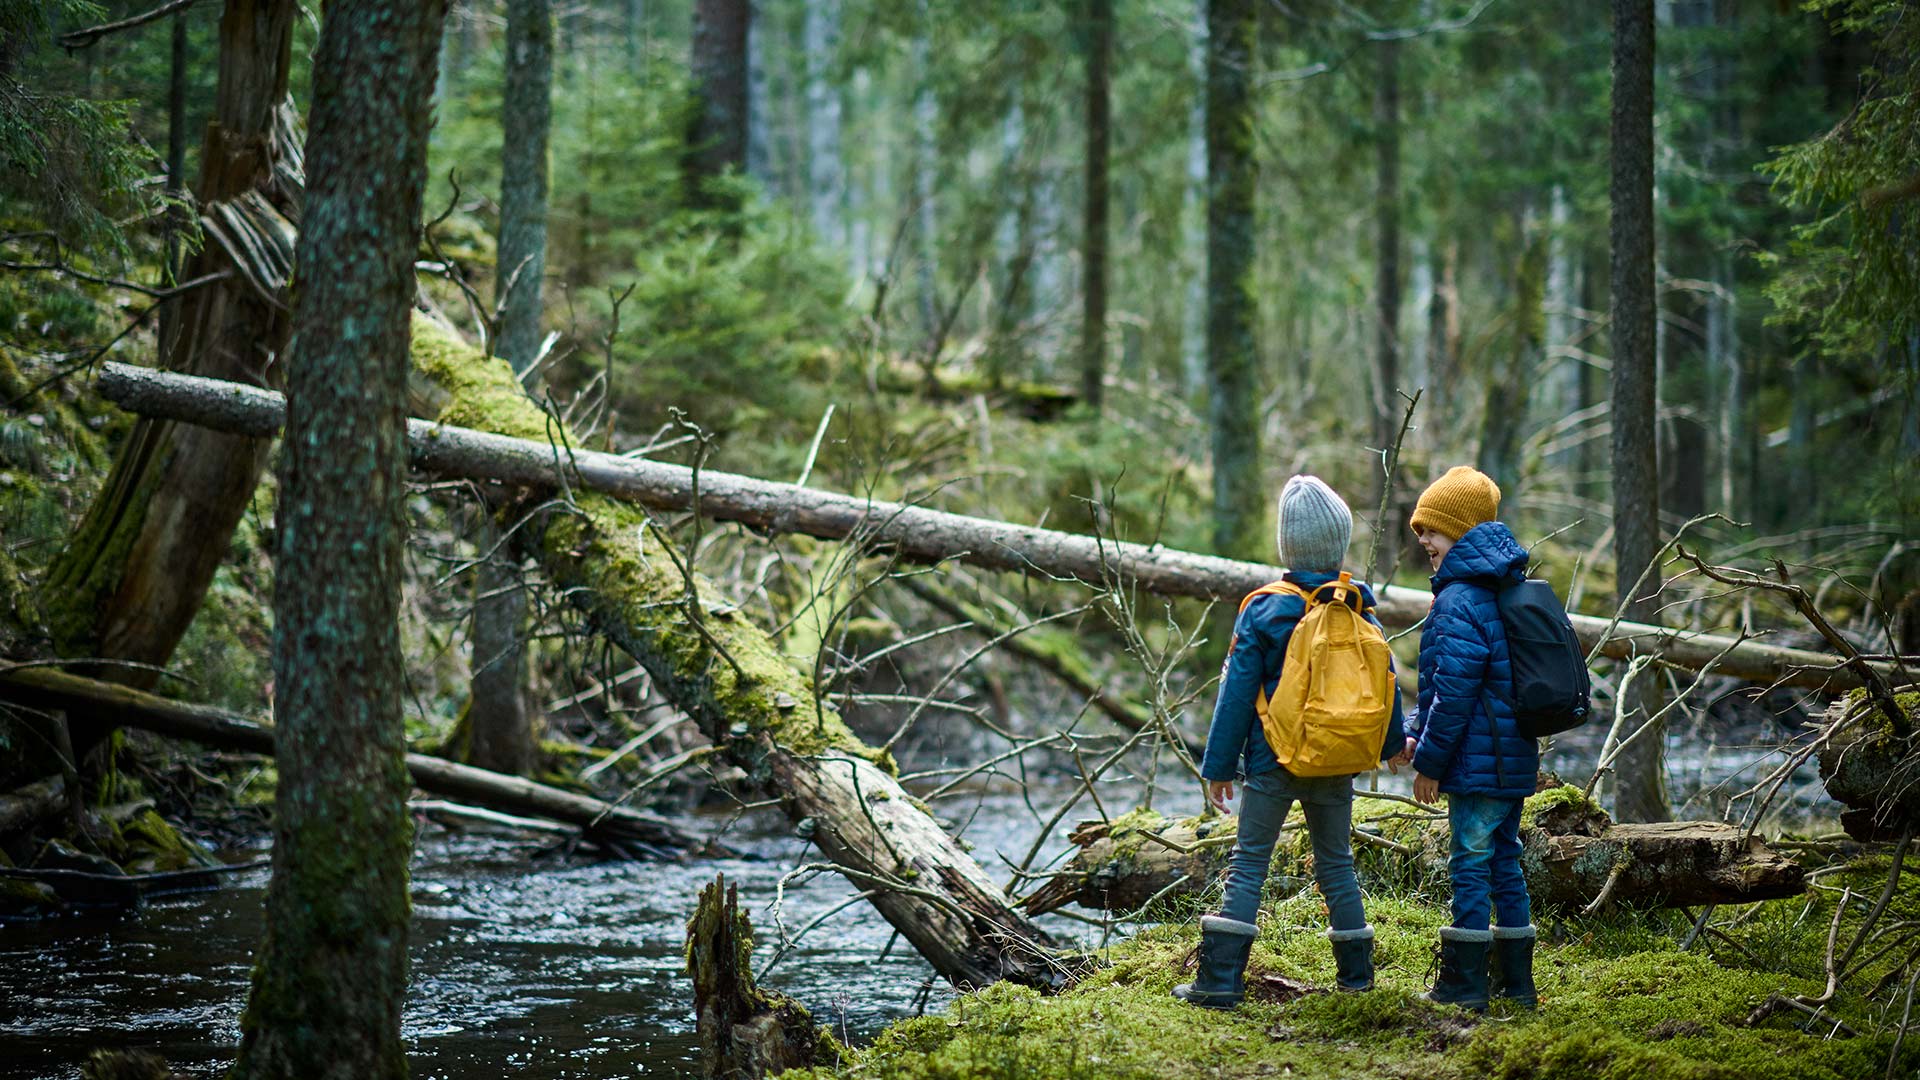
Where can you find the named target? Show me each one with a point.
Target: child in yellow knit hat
(1467, 740)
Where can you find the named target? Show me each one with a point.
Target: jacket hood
(1487, 554)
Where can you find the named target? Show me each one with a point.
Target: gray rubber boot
(1353, 958)
(1510, 975)
(1225, 945)
(1463, 968)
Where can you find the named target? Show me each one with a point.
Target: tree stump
(745, 1032)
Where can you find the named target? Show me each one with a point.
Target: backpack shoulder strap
(1277, 588)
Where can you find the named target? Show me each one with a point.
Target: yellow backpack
(1329, 715)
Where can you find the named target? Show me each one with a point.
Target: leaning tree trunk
(1233, 391)
(131, 579)
(332, 971)
(1641, 789)
(709, 661)
(913, 532)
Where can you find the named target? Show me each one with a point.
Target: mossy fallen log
(518, 447)
(609, 558)
(1572, 855)
(745, 1032)
(107, 706)
(27, 806)
(1871, 770)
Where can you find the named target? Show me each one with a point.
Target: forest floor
(1619, 998)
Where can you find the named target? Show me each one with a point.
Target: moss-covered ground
(1619, 999)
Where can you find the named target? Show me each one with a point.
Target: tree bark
(1509, 390)
(104, 706)
(1233, 386)
(332, 970)
(717, 131)
(526, 111)
(1386, 218)
(826, 171)
(1098, 38)
(1641, 770)
(132, 578)
(500, 735)
(915, 532)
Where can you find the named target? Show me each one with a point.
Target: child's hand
(1218, 792)
(1404, 757)
(1426, 790)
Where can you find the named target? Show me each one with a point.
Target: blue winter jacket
(1468, 738)
(1260, 637)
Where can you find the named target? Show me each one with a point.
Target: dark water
(522, 965)
(539, 967)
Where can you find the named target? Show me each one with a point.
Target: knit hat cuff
(1426, 517)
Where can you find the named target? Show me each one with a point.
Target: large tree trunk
(1641, 790)
(1233, 386)
(332, 970)
(132, 578)
(717, 131)
(1098, 35)
(914, 532)
(103, 706)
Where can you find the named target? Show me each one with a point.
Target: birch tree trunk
(332, 970)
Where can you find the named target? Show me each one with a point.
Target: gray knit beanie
(1315, 526)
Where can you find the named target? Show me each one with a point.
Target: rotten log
(108, 705)
(1871, 770)
(1571, 859)
(28, 806)
(538, 459)
(745, 1032)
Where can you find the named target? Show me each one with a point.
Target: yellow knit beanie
(1456, 502)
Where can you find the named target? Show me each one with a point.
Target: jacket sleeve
(1396, 725)
(1459, 671)
(1234, 715)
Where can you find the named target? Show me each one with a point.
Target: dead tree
(133, 575)
(745, 1032)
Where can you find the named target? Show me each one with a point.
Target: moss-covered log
(25, 807)
(745, 1032)
(1572, 854)
(705, 657)
(533, 455)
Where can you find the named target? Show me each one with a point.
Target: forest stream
(531, 963)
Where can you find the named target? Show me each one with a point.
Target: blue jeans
(1485, 862)
(1327, 802)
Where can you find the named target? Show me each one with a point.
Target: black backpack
(1551, 688)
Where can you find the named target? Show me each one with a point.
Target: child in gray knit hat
(1314, 529)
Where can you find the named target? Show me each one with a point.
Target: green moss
(1611, 1002)
(719, 668)
(1566, 798)
(154, 845)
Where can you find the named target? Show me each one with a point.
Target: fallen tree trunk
(108, 706)
(538, 460)
(1572, 855)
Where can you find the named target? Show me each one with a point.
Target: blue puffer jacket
(1260, 637)
(1465, 671)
